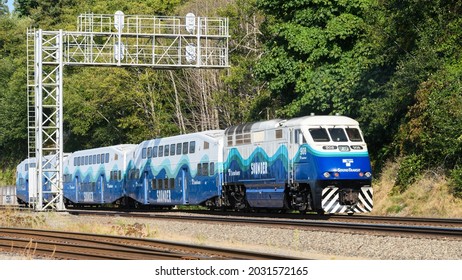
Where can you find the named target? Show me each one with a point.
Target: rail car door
(145, 187)
(184, 185)
(101, 187)
(77, 189)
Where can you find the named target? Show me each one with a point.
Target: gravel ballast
(307, 244)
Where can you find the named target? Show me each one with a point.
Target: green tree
(13, 131)
(4, 10)
(415, 40)
(315, 54)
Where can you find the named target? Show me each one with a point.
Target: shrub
(456, 181)
(409, 171)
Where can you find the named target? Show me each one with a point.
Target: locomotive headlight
(368, 174)
(326, 174)
(336, 174)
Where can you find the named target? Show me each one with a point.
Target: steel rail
(304, 224)
(138, 248)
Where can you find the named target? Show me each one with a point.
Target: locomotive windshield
(336, 134)
(319, 134)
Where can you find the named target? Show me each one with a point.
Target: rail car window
(166, 150)
(192, 147)
(75, 162)
(278, 133)
(230, 140)
(212, 168)
(102, 158)
(120, 175)
(178, 149)
(206, 145)
(154, 151)
(107, 157)
(90, 160)
(113, 175)
(319, 134)
(239, 139)
(86, 160)
(159, 183)
(166, 183)
(94, 159)
(154, 184)
(354, 135)
(171, 183)
(67, 178)
(161, 151)
(205, 169)
(247, 138)
(134, 174)
(116, 157)
(98, 159)
(185, 148)
(143, 153)
(172, 149)
(337, 134)
(149, 153)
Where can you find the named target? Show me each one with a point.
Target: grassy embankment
(429, 196)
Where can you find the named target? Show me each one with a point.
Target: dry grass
(427, 197)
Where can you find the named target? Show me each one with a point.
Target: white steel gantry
(103, 40)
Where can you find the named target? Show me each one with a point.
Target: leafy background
(393, 65)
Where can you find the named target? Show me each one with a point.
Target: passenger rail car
(177, 170)
(25, 182)
(312, 163)
(96, 176)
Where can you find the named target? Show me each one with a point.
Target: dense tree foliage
(315, 54)
(393, 65)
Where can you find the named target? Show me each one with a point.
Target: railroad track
(378, 224)
(72, 245)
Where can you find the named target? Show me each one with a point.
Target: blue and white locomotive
(312, 163)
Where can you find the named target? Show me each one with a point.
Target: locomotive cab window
(319, 134)
(338, 135)
(354, 135)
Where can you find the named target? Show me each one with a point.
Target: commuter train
(311, 163)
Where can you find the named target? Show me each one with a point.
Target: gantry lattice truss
(103, 40)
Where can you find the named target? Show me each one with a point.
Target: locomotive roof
(321, 121)
(247, 127)
(301, 121)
